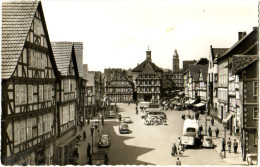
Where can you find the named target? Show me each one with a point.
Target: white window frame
(255, 93)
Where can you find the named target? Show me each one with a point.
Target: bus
(190, 134)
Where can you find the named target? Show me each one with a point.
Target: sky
(116, 34)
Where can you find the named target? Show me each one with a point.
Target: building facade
(68, 97)
(147, 80)
(29, 79)
(119, 88)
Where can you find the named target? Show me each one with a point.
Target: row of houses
(43, 89)
(226, 86)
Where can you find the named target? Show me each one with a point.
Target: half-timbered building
(67, 89)
(119, 89)
(147, 78)
(29, 76)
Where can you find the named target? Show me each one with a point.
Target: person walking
(174, 149)
(88, 150)
(179, 141)
(235, 145)
(217, 132)
(178, 162)
(84, 135)
(223, 144)
(200, 129)
(229, 145)
(136, 108)
(212, 121)
(209, 130)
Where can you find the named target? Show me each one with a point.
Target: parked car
(251, 159)
(111, 114)
(123, 128)
(207, 142)
(99, 158)
(104, 141)
(127, 120)
(143, 115)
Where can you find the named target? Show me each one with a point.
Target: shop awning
(192, 101)
(199, 105)
(187, 102)
(227, 118)
(177, 97)
(174, 102)
(179, 104)
(181, 93)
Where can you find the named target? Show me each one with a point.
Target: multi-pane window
(22, 131)
(30, 93)
(20, 94)
(72, 111)
(29, 128)
(40, 125)
(40, 93)
(255, 113)
(255, 88)
(16, 133)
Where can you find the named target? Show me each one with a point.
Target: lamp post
(225, 129)
(92, 130)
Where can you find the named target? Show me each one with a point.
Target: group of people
(177, 151)
(209, 129)
(229, 144)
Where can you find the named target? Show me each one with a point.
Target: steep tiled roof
(195, 69)
(147, 70)
(62, 52)
(202, 61)
(78, 46)
(17, 17)
(141, 66)
(218, 52)
(242, 61)
(243, 44)
(186, 64)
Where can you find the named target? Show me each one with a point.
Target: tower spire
(148, 54)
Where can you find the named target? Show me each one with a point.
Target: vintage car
(123, 128)
(127, 120)
(111, 114)
(207, 142)
(104, 141)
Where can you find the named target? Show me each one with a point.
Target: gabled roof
(141, 66)
(218, 52)
(242, 61)
(120, 73)
(202, 61)
(78, 46)
(17, 17)
(62, 52)
(186, 65)
(243, 44)
(148, 70)
(196, 69)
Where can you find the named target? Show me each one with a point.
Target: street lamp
(92, 130)
(225, 129)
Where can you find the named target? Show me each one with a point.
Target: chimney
(240, 35)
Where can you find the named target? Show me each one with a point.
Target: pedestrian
(84, 135)
(179, 141)
(180, 150)
(212, 121)
(88, 150)
(217, 132)
(106, 159)
(235, 145)
(76, 154)
(200, 129)
(129, 102)
(209, 130)
(81, 124)
(229, 145)
(223, 144)
(136, 109)
(174, 149)
(178, 162)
